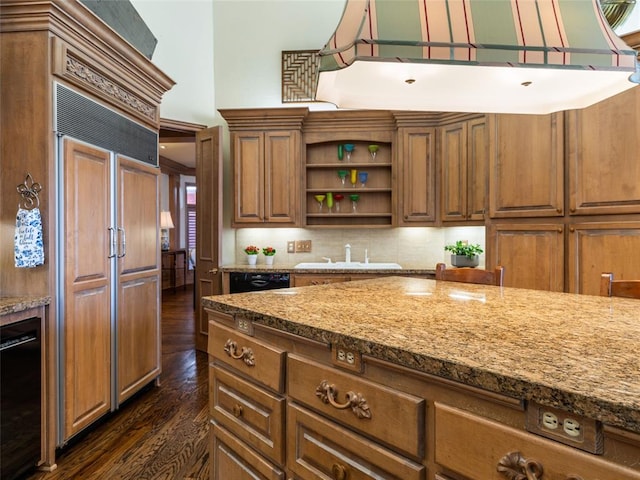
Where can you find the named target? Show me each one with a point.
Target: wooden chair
(618, 288)
(470, 275)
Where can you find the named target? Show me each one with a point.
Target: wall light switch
(291, 246)
(303, 246)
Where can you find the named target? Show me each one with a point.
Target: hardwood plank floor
(162, 432)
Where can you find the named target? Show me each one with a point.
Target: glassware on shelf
(340, 152)
(342, 174)
(320, 200)
(373, 150)
(362, 176)
(354, 177)
(329, 201)
(337, 197)
(349, 147)
(354, 202)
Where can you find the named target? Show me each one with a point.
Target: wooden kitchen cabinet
(266, 152)
(350, 415)
(600, 247)
(532, 254)
(307, 279)
(603, 144)
(464, 165)
(526, 168)
(492, 451)
(324, 133)
(417, 177)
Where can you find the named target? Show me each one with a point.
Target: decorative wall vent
(299, 75)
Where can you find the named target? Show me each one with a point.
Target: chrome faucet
(347, 253)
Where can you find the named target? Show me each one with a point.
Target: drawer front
(232, 460)
(308, 280)
(487, 443)
(259, 361)
(248, 412)
(317, 449)
(392, 417)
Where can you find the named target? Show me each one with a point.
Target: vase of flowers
(463, 254)
(252, 254)
(269, 253)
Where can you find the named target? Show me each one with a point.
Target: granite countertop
(291, 269)
(574, 352)
(19, 303)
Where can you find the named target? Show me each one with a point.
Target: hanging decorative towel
(28, 246)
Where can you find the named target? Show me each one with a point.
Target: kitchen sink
(348, 266)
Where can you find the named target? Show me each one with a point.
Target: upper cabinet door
(281, 177)
(526, 166)
(417, 164)
(604, 172)
(248, 177)
(464, 164)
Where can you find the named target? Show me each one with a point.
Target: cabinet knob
(213, 270)
(237, 410)
(339, 472)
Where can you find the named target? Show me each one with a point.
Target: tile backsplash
(413, 247)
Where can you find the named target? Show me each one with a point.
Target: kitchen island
(553, 374)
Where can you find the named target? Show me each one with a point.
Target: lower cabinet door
(248, 412)
(232, 460)
(318, 449)
(481, 449)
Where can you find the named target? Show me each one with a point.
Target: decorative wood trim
(170, 167)
(178, 128)
(75, 69)
(299, 75)
(265, 118)
(90, 41)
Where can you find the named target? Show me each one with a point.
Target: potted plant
(269, 253)
(463, 254)
(252, 254)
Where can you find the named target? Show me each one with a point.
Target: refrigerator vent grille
(85, 120)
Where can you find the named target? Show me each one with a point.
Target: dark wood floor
(162, 432)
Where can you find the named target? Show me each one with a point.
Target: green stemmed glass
(354, 202)
(342, 174)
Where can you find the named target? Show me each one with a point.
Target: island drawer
(390, 416)
(257, 360)
(487, 444)
(249, 412)
(318, 449)
(230, 458)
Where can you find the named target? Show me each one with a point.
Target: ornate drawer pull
(237, 410)
(515, 467)
(246, 354)
(339, 472)
(327, 393)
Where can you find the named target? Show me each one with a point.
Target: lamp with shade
(166, 223)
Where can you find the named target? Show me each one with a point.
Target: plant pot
(252, 259)
(464, 261)
(268, 259)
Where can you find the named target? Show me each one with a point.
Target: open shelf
(374, 207)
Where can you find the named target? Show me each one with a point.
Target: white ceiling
(184, 153)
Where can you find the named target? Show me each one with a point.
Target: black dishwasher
(240, 282)
(20, 397)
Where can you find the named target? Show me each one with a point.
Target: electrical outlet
(303, 246)
(345, 358)
(565, 427)
(291, 246)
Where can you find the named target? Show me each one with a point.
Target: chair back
(470, 275)
(618, 288)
